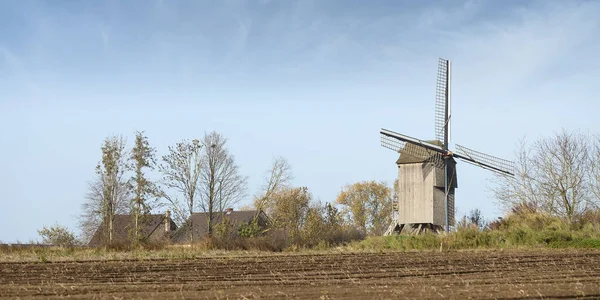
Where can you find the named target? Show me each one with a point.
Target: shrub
(471, 237)
(57, 235)
(589, 221)
(251, 229)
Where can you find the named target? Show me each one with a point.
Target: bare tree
(595, 172)
(181, 170)
(563, 162)
(221, 184)
(521, 192)
(552, 177)
(145, 191)
(91, 209)
(277, 177)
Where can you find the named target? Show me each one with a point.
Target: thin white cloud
(238, 41)
(447, 17)
(265, 2)
(521, 48)
(516, 46)
(16, 67)
(105, 39)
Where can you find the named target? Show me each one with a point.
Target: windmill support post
(446, 196)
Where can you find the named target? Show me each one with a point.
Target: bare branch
(278, 177)
(553, 177)
(181, 170)
(522, 190)
(221, 185)
(595, 172)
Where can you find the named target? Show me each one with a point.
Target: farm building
(199, 223)
(158, 227)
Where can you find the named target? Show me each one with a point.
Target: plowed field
(458, 275)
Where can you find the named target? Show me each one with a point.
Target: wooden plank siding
(420, 199)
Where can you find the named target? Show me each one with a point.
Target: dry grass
(522, 231)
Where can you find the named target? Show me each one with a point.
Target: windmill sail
(485, 161)
(412, 140)
(442, 102)
(410, 146)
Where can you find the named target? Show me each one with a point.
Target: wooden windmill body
(421, 194)
(427, 169)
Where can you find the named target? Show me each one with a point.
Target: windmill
(427, 169)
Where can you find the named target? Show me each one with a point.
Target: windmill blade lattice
(414, 150)
(486, 160)
(442, 91)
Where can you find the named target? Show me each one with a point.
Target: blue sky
(312, 81)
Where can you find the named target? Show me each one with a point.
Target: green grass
(517, 231)
(474, 239)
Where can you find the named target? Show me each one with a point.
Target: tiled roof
(200, 223)
(123, 228)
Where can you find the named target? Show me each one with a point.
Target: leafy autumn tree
(367, 205)
(57, 235)
(181, 170)
(288, 209)
(333, 218)
(315, 227)
(145, 191)
(221, 185)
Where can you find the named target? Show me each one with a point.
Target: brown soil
(413, 275)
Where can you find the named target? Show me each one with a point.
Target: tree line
(194, 174)
(201, 175)
(557, 176)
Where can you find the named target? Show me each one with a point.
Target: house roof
(124, 224)
(200, 222)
